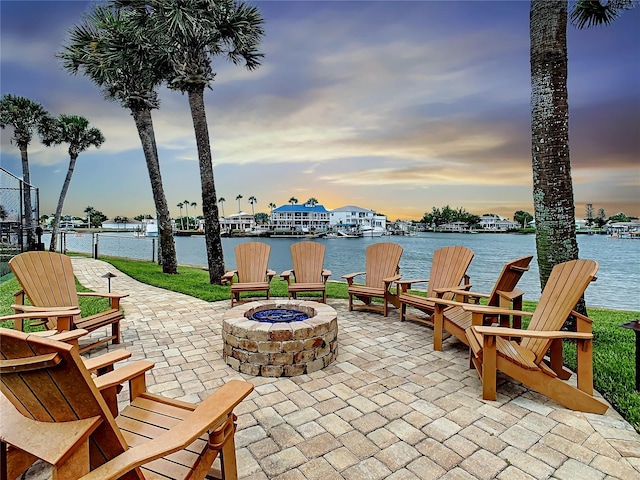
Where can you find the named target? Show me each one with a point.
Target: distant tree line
(447, 214)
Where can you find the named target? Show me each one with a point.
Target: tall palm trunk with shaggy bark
(166, 244)
(552, 185)
(209, 202)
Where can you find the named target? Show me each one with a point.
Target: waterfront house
(241, 221)
(623, 229)
(305, 218)
(357, 218)
(123, 225)
(496, 223)
(458, 227)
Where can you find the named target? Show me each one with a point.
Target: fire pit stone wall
(280, 349)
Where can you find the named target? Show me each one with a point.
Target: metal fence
(17, 229)
(108, 244)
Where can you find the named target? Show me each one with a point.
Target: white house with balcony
(497, 224)
(304, 218)
(459, 227)
(241, 221)
(357, 218)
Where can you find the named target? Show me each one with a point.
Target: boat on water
(341, 234)
(151, 230)
(147, 230)
(369, 232)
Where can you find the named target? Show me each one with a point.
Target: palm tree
(107, 49)
(554, 207)
(89, 211)
(75, 131)
(238, 199)
(312, 201)
(180, 205)
(192, 33)
(271, 207)
(292, 201)
(252, 201)
(25, 116)
(221, 200)
(186, 208)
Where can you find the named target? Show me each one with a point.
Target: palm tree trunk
(213, 242)
(26, 196)
(63, 194)
(166, 245)
(552, 185)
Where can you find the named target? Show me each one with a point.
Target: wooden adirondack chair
(59, 416)
(98, 365)
(454, 319)
(382, 269)
(251, 273)
(448, 272)
(493, 350)
(48, 282)
(308, 274)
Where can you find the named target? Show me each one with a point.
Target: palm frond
(590, 13)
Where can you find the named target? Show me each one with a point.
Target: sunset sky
(393, 106)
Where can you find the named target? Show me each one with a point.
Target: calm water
(617, 287)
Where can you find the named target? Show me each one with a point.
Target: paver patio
(389, 407)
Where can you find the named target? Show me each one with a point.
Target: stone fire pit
(281, 349)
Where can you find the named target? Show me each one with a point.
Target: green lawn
(614, 347)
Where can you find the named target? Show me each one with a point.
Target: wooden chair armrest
(19, 318)
(228, 277)
(444, 301)
(41, 310)
(211, 413)
(286, 274)
(512, 295)
(584, 323)
(406, 284)
(325, 275)
(461, 291)
(49, 441)
(516, 332)
(71, 312)
(270, 274)
(409, 282)
(19, 297)
(494, 310)
(123, 374)
(352, 275)
(106, 360)
(68, 336)
(388, 280)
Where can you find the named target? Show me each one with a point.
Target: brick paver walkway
(389, 408)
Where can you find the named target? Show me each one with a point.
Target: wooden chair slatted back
(59, 392)
(567, 283)
(509, 278)
(448, 268)
(308, 260)
(46, 278)
(252, 259)
(382, 261)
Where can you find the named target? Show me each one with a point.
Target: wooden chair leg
(115, 331)
(489, 372)
(438, 325)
